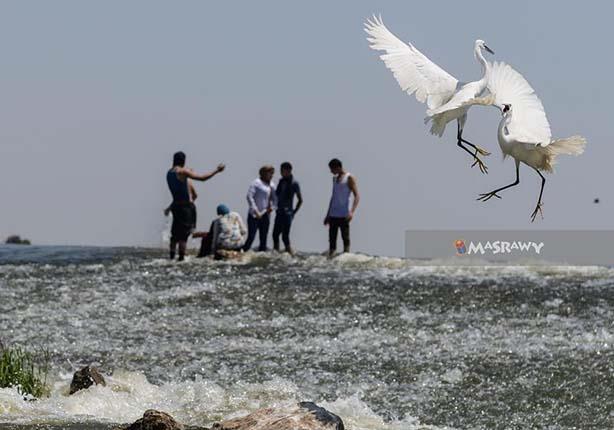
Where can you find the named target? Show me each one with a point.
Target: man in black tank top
(183, 209)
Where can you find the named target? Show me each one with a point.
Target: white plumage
(414, 72)
(529, 123)
(446, 98)
(524, 132)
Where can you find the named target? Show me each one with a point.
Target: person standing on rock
(287, 188)
(339, 214)
(262, 200)
(182, 208)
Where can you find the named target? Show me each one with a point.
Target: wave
(105, 259)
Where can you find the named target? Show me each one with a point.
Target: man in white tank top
(339, 214)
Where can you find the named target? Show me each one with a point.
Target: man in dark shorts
(286, 189)
(183, 209)
(340, 214)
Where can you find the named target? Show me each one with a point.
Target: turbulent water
(384, 343)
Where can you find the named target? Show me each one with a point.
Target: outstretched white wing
(414, 72)
(528, 123)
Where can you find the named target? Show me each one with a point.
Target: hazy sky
(96, 96)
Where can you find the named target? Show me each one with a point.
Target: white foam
(357, 415)
(199, 403)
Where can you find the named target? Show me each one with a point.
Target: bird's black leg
(538, 208)
(459, 142)
(487, 196)
(478, 150)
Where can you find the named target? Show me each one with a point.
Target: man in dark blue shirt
(287, 188)
(183, 209)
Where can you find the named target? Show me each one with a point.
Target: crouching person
(226, 236)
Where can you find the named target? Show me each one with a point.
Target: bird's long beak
(489, 50)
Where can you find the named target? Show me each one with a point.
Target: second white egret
(524, 132)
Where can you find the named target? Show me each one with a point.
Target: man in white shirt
(262, 201)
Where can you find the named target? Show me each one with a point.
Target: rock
(85, 378)
(225, 254)
(303, 416)
(16, 240)
(153, 420)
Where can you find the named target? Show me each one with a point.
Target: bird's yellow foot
(480, 164)
(481, 151)
(538, 209)
(487, 196)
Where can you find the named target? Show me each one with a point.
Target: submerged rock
(153, 420)
(304, 416)
(85, 378)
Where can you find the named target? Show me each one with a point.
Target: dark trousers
(257, 225)
(283, 222)
(334, 225)
(206, 243)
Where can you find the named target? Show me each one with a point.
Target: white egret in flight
(444, 95)
(524, 131)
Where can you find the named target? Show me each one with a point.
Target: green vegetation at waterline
(24, 370)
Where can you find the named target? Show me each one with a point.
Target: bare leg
(487, 196)
(538, 208)
(478, 161)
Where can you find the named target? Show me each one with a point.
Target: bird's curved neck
(503, 130)
(485, 65)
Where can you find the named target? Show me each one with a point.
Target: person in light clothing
(229, 231)
(339, 214)
(262, 200)
(226, 233)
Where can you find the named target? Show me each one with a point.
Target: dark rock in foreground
(85, 378)
(304, 416)
(16, 240)
(153, 420)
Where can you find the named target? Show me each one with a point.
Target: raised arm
(354, 190)
(189, 173)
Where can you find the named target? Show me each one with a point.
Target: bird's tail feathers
(573, 145)
(438, 124)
